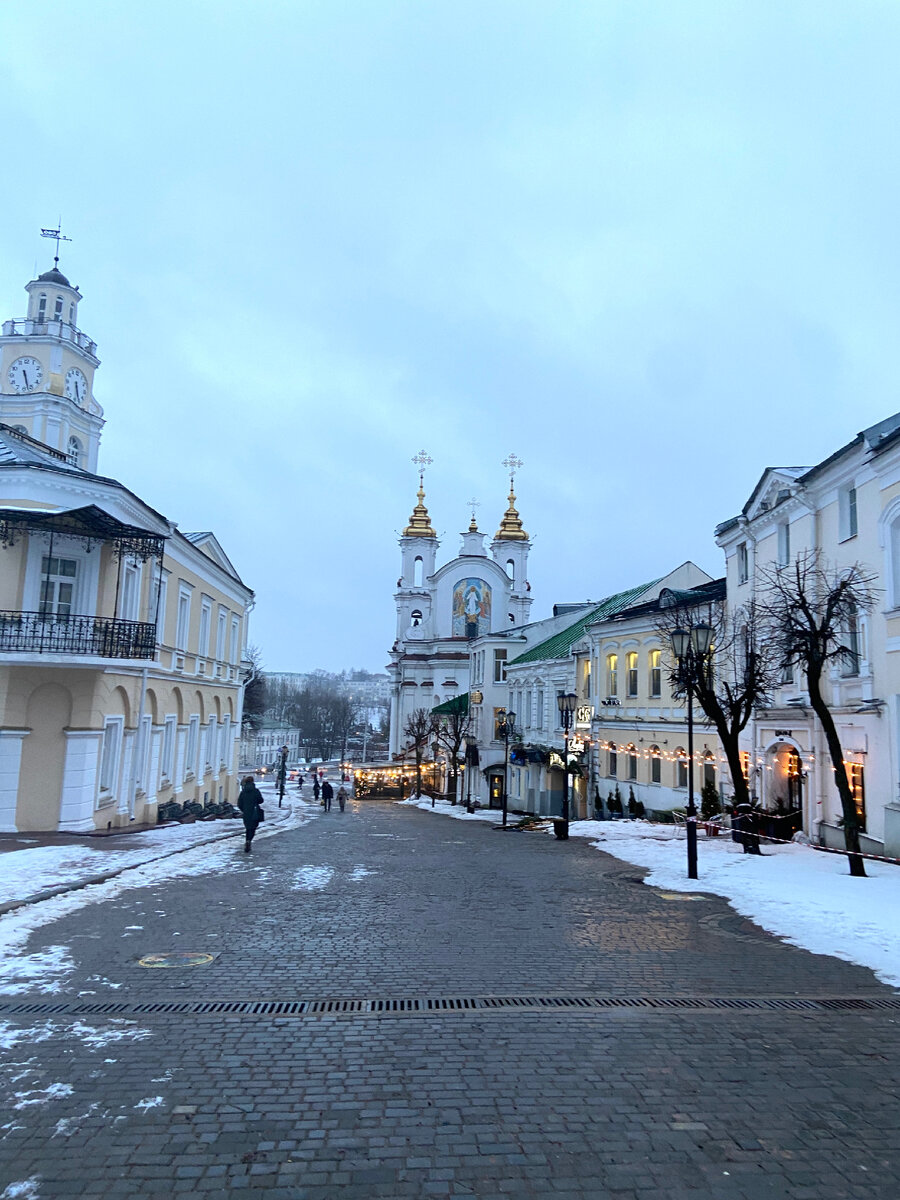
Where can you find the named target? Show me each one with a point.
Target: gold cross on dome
(422, 460)
(512, 464)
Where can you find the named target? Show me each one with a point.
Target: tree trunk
(848, 804)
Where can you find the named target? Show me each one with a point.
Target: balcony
(99, 637)
(24, 327)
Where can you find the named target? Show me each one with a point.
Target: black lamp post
(691, 647)
(435, 746)
(566, 702)
(506, 723)
(471, 763)
(282, 774)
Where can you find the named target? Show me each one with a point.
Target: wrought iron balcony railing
(103, 637)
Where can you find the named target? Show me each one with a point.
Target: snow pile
(446, 809)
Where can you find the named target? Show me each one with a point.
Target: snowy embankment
(803, 895)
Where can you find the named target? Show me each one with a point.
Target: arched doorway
(785, 790)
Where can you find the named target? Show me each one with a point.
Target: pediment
(776, 485)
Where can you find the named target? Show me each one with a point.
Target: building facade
(121, 638)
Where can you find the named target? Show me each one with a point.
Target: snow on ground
(144, 866)
(803, 895)
(311, 879)
(22, 1189)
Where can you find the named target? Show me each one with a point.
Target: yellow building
(121, 638)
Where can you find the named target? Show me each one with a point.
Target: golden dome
(420, 522)
(511, 526)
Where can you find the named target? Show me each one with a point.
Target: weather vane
(512, 465)
(422, 460)
(58, 236)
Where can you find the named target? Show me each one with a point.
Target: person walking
(250, 803)
(316, 787)
(327, 794)
(342, 797)
(300, 782)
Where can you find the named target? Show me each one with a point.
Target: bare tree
(450, 729)
(729, 682)
(812, 610)
(254, 691)
(418, 731)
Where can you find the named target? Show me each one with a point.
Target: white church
(440, 610)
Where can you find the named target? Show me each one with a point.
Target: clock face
(76, 385)
(25, 375)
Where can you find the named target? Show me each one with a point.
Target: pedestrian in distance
(316, 787)
(342, 797)
(327, 794)
(300, 782)
(250, 803)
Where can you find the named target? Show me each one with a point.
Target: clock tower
(47, 370)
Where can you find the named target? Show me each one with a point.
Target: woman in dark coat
(250, 804)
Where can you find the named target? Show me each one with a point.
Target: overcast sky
(649, 247)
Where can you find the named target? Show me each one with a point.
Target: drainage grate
(384, 1005)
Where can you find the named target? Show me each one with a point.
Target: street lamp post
(691, 647)
(566, 702)
(282, 774)
(471, 759)
(506, 728)
(435, 746)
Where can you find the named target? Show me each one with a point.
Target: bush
(614, 803)
(632, 803)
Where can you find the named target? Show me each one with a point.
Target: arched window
(613, 762)
(612, 675)
(631, 674)
(709, 768)
(416, 616)
(57, 309)
(511, 569)
(72, 312)
(655, 764)
(632, 760)
(681, 768)
(74, 454)
(42, 307)
(418, 571)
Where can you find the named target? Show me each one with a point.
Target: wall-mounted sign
(584, 714)
(576, 746)
(476, 697)
(783, 733)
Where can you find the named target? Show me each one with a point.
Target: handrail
(51, 633)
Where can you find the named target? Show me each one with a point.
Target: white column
(10, 762)
(80, 782)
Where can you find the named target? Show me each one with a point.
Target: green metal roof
(561, 643)
(454, 704)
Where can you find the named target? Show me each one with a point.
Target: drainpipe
(138, 733)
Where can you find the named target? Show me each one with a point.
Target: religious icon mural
(471, 608)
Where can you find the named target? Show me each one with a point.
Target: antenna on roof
(58, 236)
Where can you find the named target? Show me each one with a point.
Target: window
(847, 520)
(71, 312)
(42, 308)
(612, 761)
(745, 764)
(500, 666)
(183, 623)
(235, 647)
(655, 661)
(631, 674)
(539, 713)
(856, 776)
(655, 765)
(784, 544)
(511, 569)
(528, 699)
(612, 675)
(787, 674)
(743, 563)
(205, 622)
(161, 589)
(111, 754)
(497, 737)
(57, 309)
(221, 626)
(167, 757)
(586, 680)
(852, 646)
(74, 452)
(58, 577)
(681, 768)
(130, 599)
(709, 768)
(632, 761)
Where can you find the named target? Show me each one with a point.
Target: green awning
(456, 704)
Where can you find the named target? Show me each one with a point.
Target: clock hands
(25, 377)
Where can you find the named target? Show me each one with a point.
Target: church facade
(442, 610)
(121, 638)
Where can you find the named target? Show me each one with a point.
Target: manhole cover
(177, 958)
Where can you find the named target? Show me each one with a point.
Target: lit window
(631, 673)
(655, 659)
(857, 778)
(612, 675)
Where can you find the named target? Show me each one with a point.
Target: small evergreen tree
(710, 805)
(632, 803)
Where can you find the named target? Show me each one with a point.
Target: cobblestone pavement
(394, 906)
